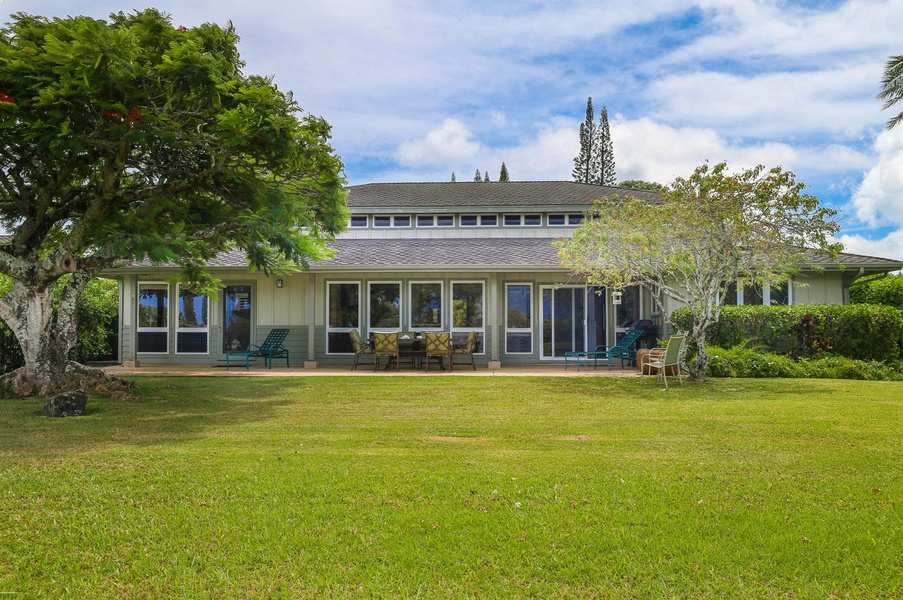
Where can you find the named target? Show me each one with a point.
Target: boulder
(67, 404)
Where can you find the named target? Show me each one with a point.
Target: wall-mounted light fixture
(278, 283)
(616, 298)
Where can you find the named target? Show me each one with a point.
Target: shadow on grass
(167, 410)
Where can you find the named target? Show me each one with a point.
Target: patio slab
(364, 370)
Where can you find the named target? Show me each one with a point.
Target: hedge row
(861, 331)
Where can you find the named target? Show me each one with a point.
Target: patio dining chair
(270, 348)
(467, 349)
(438, 344)
(385, 343)
(665, 358)
(360, 347)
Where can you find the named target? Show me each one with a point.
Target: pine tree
(606, 151)
(596, 162)
(486, 176)
(477, 176)
(453, 180)
(503, 174)
(583, 163)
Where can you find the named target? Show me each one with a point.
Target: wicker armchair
(468, 349)
(438, 343)
(360, 347)
(385, 344)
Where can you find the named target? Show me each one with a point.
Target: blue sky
(415, 90)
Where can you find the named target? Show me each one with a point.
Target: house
(416, 257)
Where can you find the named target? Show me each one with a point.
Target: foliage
(503, 174)
(595, 164)
(639, 184)
(755, 226)
(398, 488)
(886, 290)
(486, 176)
(453, 178)
(892, 87)
(477, 176)
(746, 361)
(132, 139)
(861, 331)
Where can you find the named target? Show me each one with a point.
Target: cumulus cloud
(449, 144)
(889, 246)
(879, 199)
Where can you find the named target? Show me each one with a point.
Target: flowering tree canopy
(133, 139)
(708, 231)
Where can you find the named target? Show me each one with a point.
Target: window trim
(180, 329)
(451, 303)
(529, 329)
(330, 329)
(366, 224)
(165, 329)
(370, 325)
(410, 314)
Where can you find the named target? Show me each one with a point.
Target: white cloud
(450, 143)
(880, 197)
(890, 246)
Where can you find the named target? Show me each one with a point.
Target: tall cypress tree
(477, 176)
(584, 170)
(486, 176)
(453, 179)
(606, 151)
(503, 174)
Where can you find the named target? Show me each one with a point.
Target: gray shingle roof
(476, 254)
(444, 253)
(564, 194)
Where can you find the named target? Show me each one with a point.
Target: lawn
(331, 487)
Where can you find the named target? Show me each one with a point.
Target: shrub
(887, 291)
(744, 361)
(861, 332)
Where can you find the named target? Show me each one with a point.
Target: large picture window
(343, 314)
(467, 310)
(192, 331)
(153, 318)
(426, 305)
(385, 306)
(518, 318)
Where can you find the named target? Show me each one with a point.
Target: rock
(67, 404)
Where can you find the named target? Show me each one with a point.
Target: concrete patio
(366, 370)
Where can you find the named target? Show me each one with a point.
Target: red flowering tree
(128, 139)
(713, 229)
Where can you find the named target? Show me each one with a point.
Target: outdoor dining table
(414, 348)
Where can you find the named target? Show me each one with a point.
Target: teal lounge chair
(624, 350)
(270, 348)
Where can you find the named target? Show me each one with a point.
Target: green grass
(457, 487)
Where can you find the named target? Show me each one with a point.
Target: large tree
(892, 87)
(586, 163)
(606, 150)
(131, 139)
(595, 164)
(714, 228)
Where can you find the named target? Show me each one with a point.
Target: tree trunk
(45, 341)
(697, 371)
(29, 314)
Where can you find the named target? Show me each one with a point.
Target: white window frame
(451, 308)
(366, 219)
(409, 320)
(205, 330)
(520, 220)
(371, 326)
(564, 216)
(346, 330)
(393, 221)
(165, 329)
(532, 301)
